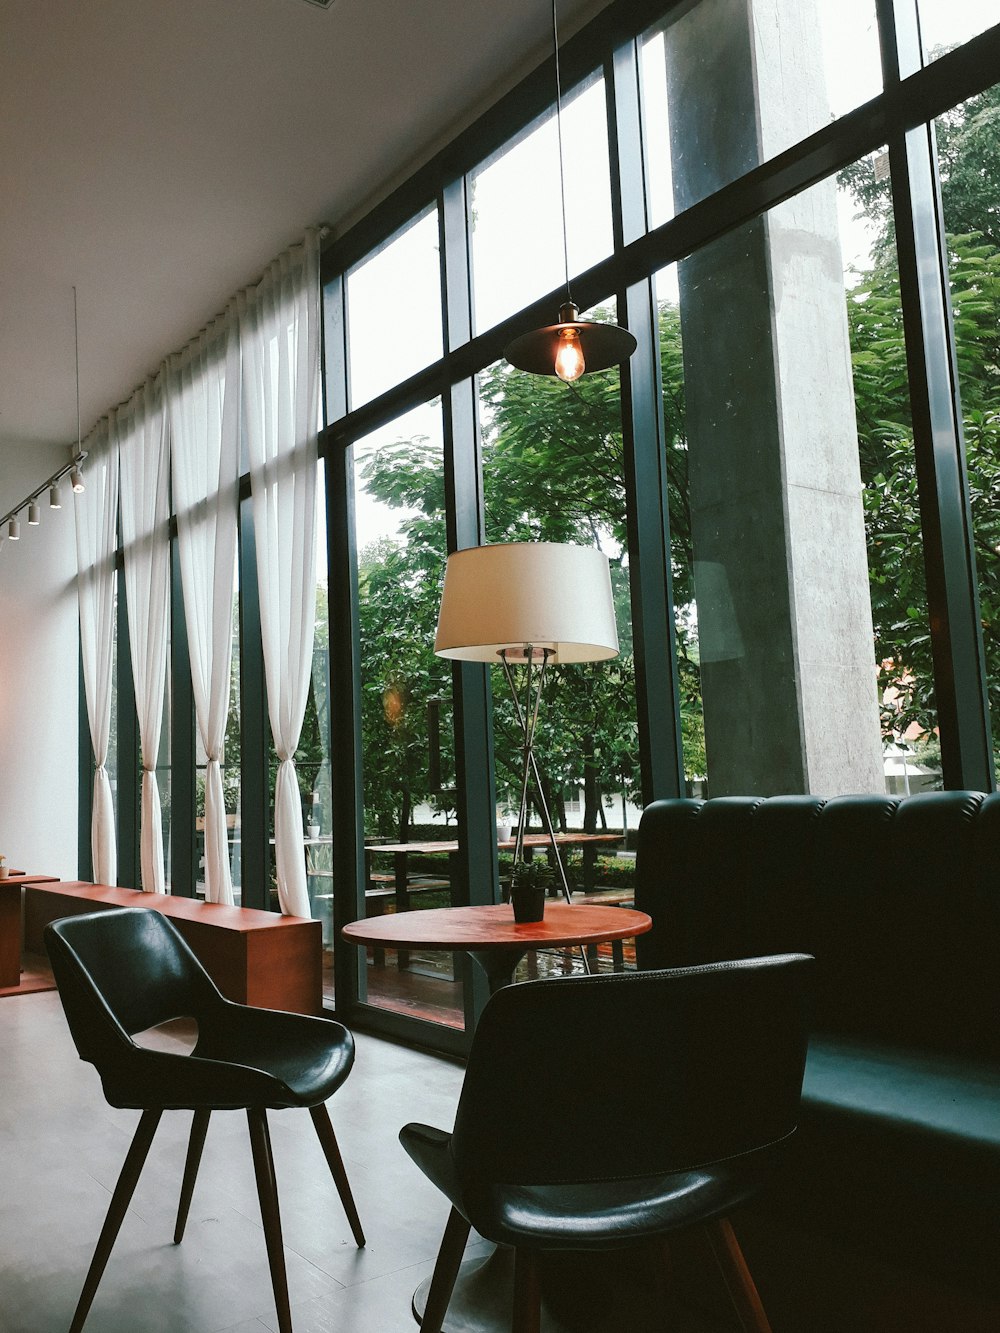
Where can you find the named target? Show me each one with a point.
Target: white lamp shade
(546, 594)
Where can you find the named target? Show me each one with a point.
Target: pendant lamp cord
(76, 340)
(559, 135)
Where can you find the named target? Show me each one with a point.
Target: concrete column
(781, 575)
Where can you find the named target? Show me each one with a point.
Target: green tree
(969, 156)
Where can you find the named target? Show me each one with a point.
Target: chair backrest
(120, 971)
(630, 1074)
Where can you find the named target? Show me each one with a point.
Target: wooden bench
(254, 957)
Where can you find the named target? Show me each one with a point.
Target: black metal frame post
(476, 861)
(255, 849)
(658, 702)
(346, 777)
(938, 441)
(183, 752)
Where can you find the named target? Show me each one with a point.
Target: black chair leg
(120, 1200)
(199, 1128)
(267, 1192)
(331, 1149)
(527, 1292)
(736, 1275)
(449, 1259)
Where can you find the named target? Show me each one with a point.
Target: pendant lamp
(572, 345)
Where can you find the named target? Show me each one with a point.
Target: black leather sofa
(899, 901)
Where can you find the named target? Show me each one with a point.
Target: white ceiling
(157, 154)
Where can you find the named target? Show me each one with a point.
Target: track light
(72, 469)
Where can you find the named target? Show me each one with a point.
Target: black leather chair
(610, 1111)
(122, 971)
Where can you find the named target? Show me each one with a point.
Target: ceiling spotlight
(14, 529)
(34, 516)
(55, 498)
(76, 481)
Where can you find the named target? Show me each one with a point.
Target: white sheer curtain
(280, 336)
(203, 390)
(96, 514)
(140, 431)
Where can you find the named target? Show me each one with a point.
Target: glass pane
(714, 109)
(517, 236)
(795, 529)
(947, 23)
(394, 311)
(410, 819)
(230, 773)
(163, 762)
(553, 471)
(969, 154)
(312, 758)
(111, 763)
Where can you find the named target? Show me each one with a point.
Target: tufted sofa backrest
(897, 898)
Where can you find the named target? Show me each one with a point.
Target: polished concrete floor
(62, 1146)
(62, 1149)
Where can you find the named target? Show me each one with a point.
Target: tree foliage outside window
(969, 158)
(553, 471)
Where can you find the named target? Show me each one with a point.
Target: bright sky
(518, 252)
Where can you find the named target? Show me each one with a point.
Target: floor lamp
(531, 605)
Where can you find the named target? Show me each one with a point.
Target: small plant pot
(528, 903)
(312, 830)
(4, 872)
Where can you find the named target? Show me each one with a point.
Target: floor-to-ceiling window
(793, 488)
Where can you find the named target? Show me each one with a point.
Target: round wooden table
(492, 937)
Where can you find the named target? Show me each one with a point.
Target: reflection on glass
(394, 310)
(795, 528)
(969, 155)
(406, 707)
(553, 471)
(713, 109)
(517, 237)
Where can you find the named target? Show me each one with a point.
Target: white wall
(39, 668)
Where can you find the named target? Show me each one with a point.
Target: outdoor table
(401, 851)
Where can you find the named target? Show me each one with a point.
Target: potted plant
(529, 884)
(4, 869)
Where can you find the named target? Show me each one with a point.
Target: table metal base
(581, 1293)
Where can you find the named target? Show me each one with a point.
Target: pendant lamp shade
(509, 597)
(600, 345)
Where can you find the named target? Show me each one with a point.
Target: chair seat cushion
(599, 1214)
(898, 1154)
(948, 1107)
(308, 1058)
